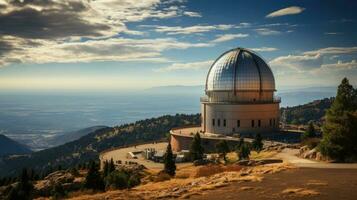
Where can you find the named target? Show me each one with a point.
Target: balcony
(205, 99)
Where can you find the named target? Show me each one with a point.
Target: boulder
(258, 162)
(45, 186)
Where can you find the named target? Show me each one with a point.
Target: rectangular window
(238, 123)
(274, 122)
(224, 123)
(270, 122)
(252, 123)
(219, 122)
(213, 122)
(259, 123)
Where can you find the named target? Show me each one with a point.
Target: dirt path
(300, 183)
(289, 155)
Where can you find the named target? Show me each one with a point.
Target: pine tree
(339, 130)
(58, 191)
(111, 166)
(258, 143)
(240, 143)
(196, 149)
(243, 152)
(93, 179)
(24, 189)
(223, 148)
(169, 162)
(310, 132)
(106, 168)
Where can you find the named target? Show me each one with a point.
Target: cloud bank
(293, 10)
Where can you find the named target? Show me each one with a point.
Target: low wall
(183, 142)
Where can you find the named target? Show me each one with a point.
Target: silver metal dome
(240, 70)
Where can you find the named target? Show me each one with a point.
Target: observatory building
(239, 100)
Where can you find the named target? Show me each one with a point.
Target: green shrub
(117, 180)
(311, 142)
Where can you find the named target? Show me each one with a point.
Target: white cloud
(114, 49)
(264, 49)
(297, 62)
(227, 37)
(333, 50)
(195, 29)
(341, 65)
(293, 10)
(332, 33)
(316, 60)
(186, 66)
(267, 31)
(175, 30)
(192, 14)
(55, 30)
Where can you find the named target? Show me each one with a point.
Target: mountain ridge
(11, 147)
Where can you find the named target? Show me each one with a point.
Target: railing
(276, 99)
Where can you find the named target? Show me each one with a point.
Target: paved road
(289, 155)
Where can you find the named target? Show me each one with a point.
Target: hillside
(302, 114)
(11, 147)
(74, 135)
(89, 146)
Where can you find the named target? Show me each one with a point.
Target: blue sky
(131, 44)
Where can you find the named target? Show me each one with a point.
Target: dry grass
(262, 155)
(199, 179)
(316, 183)
(245, 188)
(232, 156)
(209, 170)
(300, 192)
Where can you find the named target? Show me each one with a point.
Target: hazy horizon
(131, 45)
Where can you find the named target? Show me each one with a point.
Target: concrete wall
(245, 113)
(179, 143)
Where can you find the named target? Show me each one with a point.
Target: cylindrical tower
(239, 97)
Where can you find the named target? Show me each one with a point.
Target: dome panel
(220, 76)
(240, 70)
(247, 75)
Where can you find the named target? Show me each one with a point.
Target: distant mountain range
(289, 96)
(71, 136)
(177, 89)
(100, 139)
(89, 146)
(302, 114)
(11, 147)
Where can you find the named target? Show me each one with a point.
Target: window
(213, 122)
(274, 122)
(259, 123)
(238, 123)
(224, 122)
(252, 123)
(219, 122)
(270, 122)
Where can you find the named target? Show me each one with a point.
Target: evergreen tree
(240, 143)
(258, 143)
(111, 166)
(24, 188)
(94, 179)
(339, 130)
(74, 171)
(223, 148)
(196, 149)
(310, 132)
(58, 191)
(106, 168)
(169, 162)
(243, 152)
